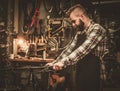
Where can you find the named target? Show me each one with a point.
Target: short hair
(74, 7)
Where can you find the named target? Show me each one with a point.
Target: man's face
(75, 18)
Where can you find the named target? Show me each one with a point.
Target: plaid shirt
(95, 42)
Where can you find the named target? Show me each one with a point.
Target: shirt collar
(89, 24)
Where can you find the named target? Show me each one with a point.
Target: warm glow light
(23, 44)
(20, 42)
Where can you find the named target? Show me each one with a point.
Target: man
(86, 49)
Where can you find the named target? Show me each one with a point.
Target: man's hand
(55, 66)
(58, 66)
(49, 64)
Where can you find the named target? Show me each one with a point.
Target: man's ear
(81, 17)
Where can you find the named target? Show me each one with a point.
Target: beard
(80, 27)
